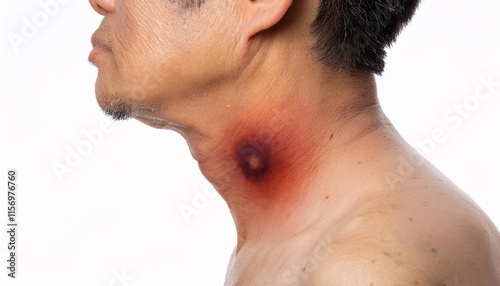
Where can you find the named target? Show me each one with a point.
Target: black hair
(352, 35)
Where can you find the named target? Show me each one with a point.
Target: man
(277, 101)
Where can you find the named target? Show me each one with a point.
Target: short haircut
(352, 35)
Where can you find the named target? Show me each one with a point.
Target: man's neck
(269, 156)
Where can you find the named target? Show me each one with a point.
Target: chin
(114, 107)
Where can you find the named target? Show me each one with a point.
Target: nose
(103, 6)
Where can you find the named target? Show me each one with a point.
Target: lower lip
(98, 51)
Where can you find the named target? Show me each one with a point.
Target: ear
(263, 14)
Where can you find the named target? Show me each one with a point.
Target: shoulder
(362, 262)
(421, 240)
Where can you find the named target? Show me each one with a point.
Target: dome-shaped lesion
(253, 159)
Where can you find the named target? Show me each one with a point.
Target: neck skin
(279, 159)
(273, 141)
(304, 128)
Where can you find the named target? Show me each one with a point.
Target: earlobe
(264, 14)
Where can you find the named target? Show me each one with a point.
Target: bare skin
(322, 188)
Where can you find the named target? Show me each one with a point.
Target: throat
(270, 154)
(277, 169)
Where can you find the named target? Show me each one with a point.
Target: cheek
(141, 32)
(159, 50)
(206, 52)
(140, 48)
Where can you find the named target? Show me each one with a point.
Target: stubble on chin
(117, 110)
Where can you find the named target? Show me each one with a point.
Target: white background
(118, 210)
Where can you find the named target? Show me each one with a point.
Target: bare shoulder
(355, 263)
(421, 235)
(370, 256)
(382, 260)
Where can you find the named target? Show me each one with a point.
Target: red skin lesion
(264, 160)
(253, 159)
